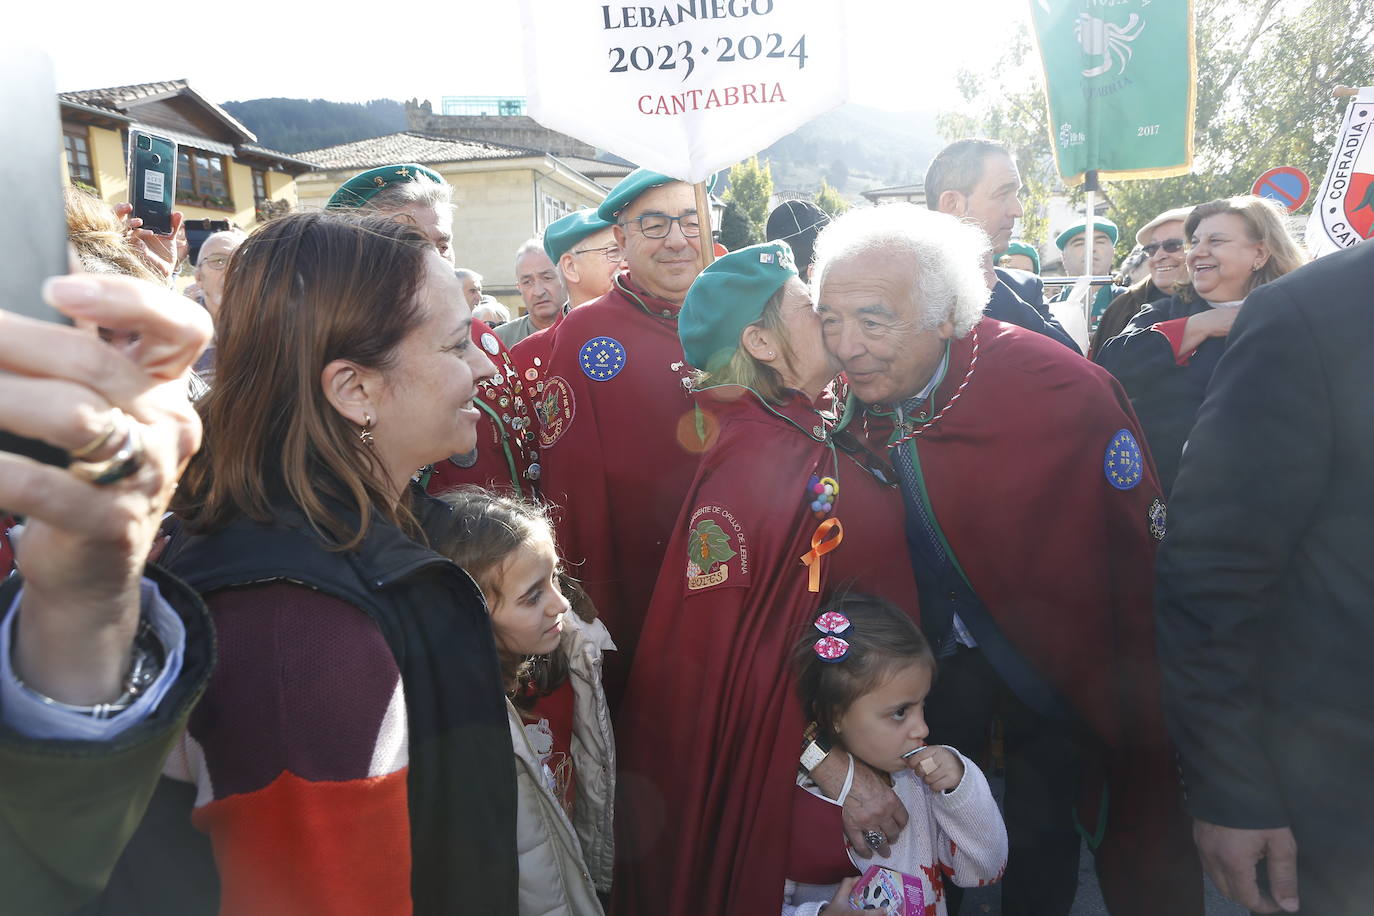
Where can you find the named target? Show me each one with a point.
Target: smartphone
(197, 231)
(152, 179)
(35, 240)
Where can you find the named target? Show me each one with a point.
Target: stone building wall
(522, 131)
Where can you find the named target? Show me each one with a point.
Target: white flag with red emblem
(1343, 212)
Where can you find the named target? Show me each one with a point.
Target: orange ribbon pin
(827, 537)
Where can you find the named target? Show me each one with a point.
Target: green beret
(630, 187)
(358, 190)
(1099, 222)
(564, 233)
(1026, 249)
(727, 297)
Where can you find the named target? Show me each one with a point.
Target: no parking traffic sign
(1285, 184)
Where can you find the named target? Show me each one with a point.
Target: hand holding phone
(163, 253)
(153, 181)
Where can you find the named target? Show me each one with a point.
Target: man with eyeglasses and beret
(1163, 243)
(582, 247)
(620, 436)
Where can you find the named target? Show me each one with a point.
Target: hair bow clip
(832, 622)
(831, 648)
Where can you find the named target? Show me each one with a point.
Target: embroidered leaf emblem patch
(709, 545)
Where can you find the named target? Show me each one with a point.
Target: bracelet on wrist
(149, 658)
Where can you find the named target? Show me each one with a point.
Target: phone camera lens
(145, 143)
(157, 160)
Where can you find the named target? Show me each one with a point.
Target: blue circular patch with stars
(601, 358)
(1123, 464)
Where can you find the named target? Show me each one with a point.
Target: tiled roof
(120, 95)
(597, 168)
(119, 99)
(408, 146)
(254, 149)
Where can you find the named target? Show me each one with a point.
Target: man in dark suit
(977, 180)
(1266, 598)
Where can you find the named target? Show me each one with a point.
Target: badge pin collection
(503, 393)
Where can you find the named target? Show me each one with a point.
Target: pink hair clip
(831, 648)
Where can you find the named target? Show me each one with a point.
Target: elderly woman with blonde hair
(1165, 356)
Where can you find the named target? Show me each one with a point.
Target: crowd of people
(691, 589)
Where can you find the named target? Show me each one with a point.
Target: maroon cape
(710, 731)
(619, 442)
(505, 433)
(1016, 469)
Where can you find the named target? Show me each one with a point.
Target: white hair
(531, 245)
(422, 190)
(945, 254)
(492, 311)
(467, 273)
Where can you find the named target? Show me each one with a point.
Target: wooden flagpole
(707, 237)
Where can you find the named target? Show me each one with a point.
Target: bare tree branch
(1250, 40)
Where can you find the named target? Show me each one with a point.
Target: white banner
(683, 87)
(1343, 212)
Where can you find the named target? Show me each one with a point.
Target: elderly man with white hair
(1032, 514)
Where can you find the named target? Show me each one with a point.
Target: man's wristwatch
(814, 747)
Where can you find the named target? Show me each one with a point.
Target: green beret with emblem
(630, 187)
(1026, 249)
(727, 297)
(564, 233)
(1100, 223)
(358, 190)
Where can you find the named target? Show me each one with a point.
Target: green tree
(829, 200)
(734, 227)
(1266, 70)
(1278, 61)
(751, 188)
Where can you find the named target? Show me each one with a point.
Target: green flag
(1120, 80)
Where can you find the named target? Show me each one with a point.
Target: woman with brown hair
(1165, 356)
(351, 753)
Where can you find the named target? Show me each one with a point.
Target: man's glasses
(610, 252)
(657, 225)
(215, 262)
(1171, 246)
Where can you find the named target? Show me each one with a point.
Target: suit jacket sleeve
(1139, 356)
(68, 808)
(1006, 304)
(1251, 476)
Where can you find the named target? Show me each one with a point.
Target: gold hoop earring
(365, 434)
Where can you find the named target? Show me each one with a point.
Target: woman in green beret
(778, 514)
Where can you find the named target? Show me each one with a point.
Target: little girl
(863, 671)
(560, 727)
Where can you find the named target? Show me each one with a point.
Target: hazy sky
(903, 53)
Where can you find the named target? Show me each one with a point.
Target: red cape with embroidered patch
(1016, 471)
(710, 731)
(619, 444)
(504, 452)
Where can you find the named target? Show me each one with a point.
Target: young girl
(863, 671)
(565, 755)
